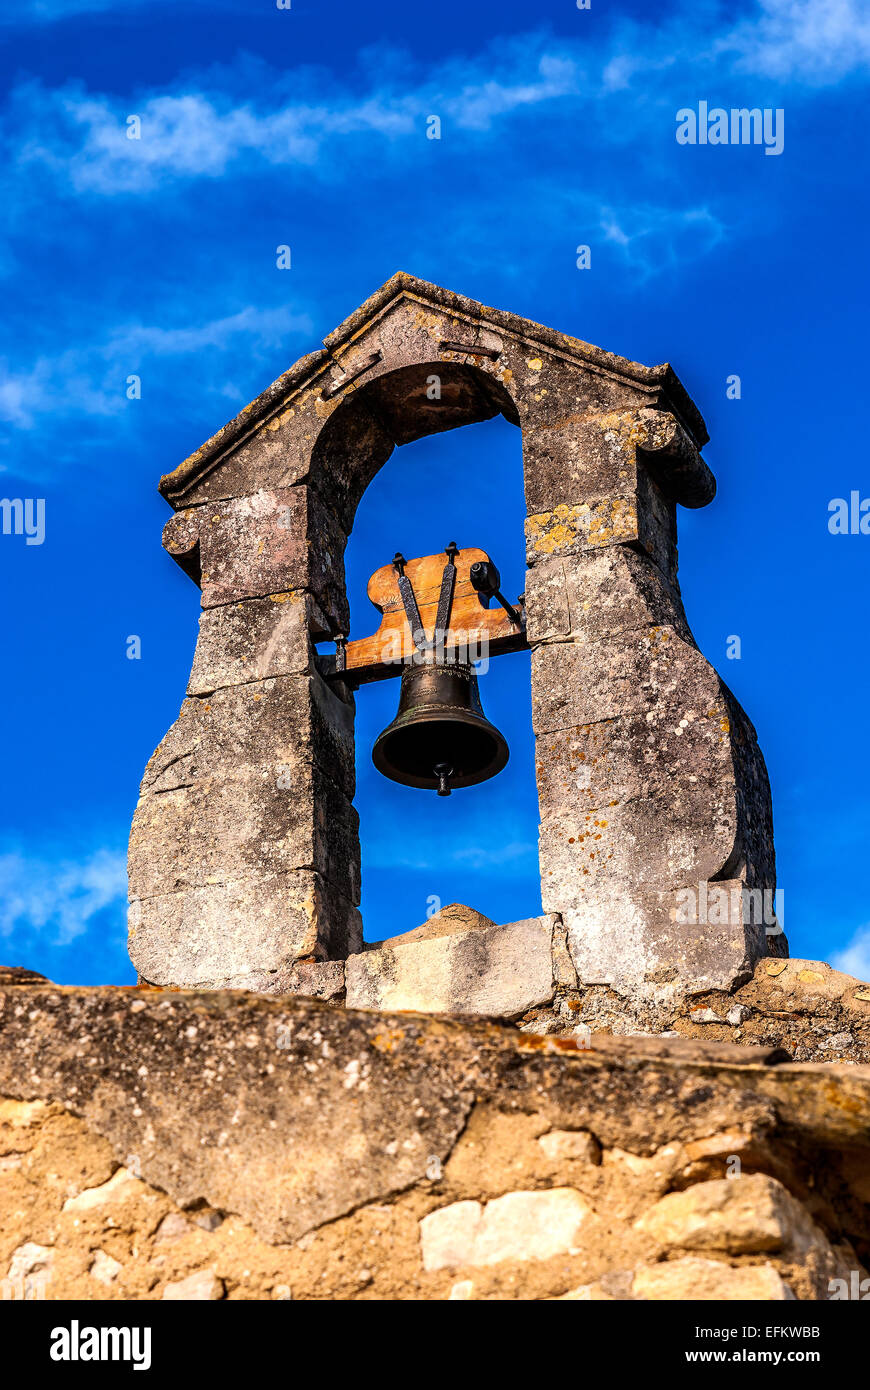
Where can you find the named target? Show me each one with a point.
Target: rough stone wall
(460, 963)
(244, 853)
(227, 1145)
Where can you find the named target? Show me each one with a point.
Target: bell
(440, 737)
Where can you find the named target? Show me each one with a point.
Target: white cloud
(653, 239)
(265, 328)
(479, 103)
(194, 134)
(188, 134)
(59, 899)
(813, 41)
(854, 959)
(496, 856)
(91, 379)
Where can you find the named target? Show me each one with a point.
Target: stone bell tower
(244, 852)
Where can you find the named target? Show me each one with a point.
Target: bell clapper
(443, 771)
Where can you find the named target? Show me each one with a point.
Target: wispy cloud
(517, 853)
(854, 959)
(58, 901)
(654, 239)
(90, 379)
(86, 138)
(811, 41)
(506, 851)
(24, 13)
(202, 132)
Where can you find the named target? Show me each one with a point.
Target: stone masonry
(244, 852)
(173, 1145)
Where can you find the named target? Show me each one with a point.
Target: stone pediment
(407, 323)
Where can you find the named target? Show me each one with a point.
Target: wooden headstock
(473, 627)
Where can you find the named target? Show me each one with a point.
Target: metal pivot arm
(486, 579)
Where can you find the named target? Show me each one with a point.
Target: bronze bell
(440, 737)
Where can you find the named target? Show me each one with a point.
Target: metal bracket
(447, 346)
(409, 603)
(329, 391)
(445, 600)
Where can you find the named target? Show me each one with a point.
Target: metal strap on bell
(440, 737)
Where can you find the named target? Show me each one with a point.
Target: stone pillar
(244, 851)
(653, 793)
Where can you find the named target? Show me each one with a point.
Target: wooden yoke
(474, 630)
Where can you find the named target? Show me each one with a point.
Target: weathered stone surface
(253, 640)
(616, 849)
(674, 757)
(518, 1226)
(579, 531)
(269, 455)
(693, 1280)
(280, 723)
(447, 921)
(244, 829)
(796, 1005)
(642, 949)
(117, 1186)
(599, 454)
(202, 1286)
(262, 822)
(317, 979)
(17, 975)
(181, 541)
(241, 934)
(570, 1143)
(578, 457)
(104, 1268)
(257, 824)
(289, 1149)
(501, 971)
(587, 597)
(259, 545)
(643, 799)
(740, 1215)
(577, 683)
(29, 1258)
(569, 530)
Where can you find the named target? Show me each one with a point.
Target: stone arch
(395, 408)
(244, 858)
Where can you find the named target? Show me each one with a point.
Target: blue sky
(307, 127)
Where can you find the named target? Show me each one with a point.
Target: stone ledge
(281, 1147)
(489, 970)
(814, 1012)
